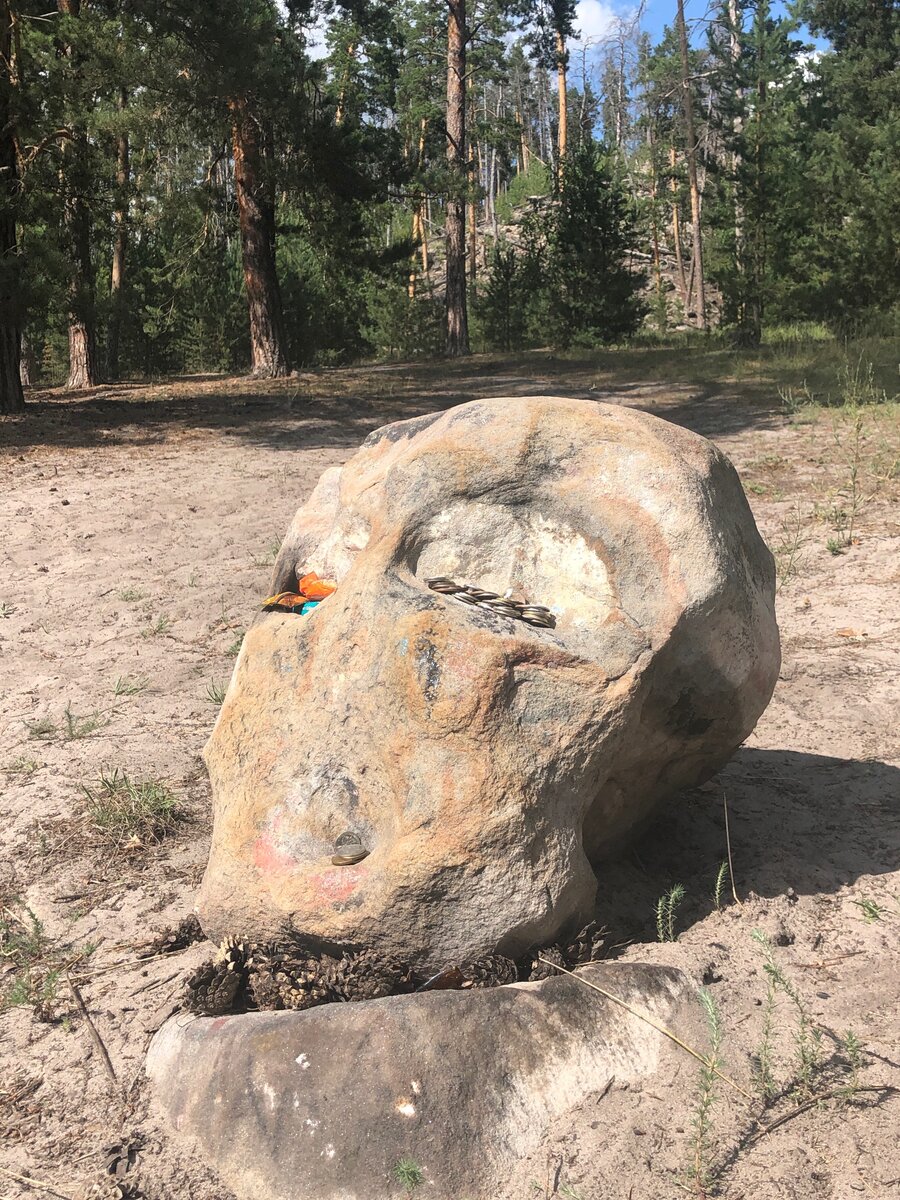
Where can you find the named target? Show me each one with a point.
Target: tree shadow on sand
(802, 821)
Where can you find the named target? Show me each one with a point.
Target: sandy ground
(139, 529)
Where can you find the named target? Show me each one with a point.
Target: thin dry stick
(92, 1030)
(728, 845)
(35, 1183)
(645, 1016)
(837, 1094)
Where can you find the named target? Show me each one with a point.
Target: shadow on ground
(340, 406)
(802, 821)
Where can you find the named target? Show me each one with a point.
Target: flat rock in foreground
(323, 1104)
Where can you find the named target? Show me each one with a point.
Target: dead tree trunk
(691, 151)
(676, 236)
(563, 131)
(12, 398)
(256, 215)
(457, 315)
(120, 247)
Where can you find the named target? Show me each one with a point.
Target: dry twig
(35, 1183)
(92, 1030)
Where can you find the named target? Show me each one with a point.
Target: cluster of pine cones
(244, 976)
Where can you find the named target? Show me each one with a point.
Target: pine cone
(368, 975)
(491, 971)
(264, 966)
(170, 940)
(587, 945)
(541, 970)
(214, 989)
(234, 953)
(305, 986)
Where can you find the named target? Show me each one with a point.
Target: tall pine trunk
(120, 248)
(691, 150)
(457, 315)
(12, 398)
(84, 367)
(256, 215)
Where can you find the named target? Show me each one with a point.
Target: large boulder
(326, 1104)
(485, 763)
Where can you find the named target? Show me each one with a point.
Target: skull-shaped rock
(484, 763)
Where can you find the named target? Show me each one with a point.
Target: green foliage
(536, 181)
(579, 247)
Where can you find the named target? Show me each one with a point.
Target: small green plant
(787, 552)
(235, 648)
(6, 609)
(853, 1053)
(870, 910)
(666, 907)
(807, 1036)
(132, 595)
(719, 888)
(158, 627)
(130, 685)
(81, 727)
(701, 1170)
(23, 766)
(215, 691)
(41, 730)
(835, 546)
(130, 812)
(22, 944)
(408, 1174)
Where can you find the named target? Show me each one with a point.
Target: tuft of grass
(132, 595)
(835, 546)
(42, 730)
(130, 813)
(6, 609)
(870, 910)
(158, 627)
(23, 766)
(666, 907)
(81, 727)
(408, 1174)
(130, 685)
(215, 691)
(235, 648)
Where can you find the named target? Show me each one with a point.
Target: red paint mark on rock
(335, 886)
(267, 856)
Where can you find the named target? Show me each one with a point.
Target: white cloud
(594, 20)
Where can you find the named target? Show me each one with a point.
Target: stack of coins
(503, 606)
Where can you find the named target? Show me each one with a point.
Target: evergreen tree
(581, 281)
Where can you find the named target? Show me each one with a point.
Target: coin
(348, 860)
(348, 850)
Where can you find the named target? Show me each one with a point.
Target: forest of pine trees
(185, 186)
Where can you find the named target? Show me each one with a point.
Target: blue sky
(596, 18)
